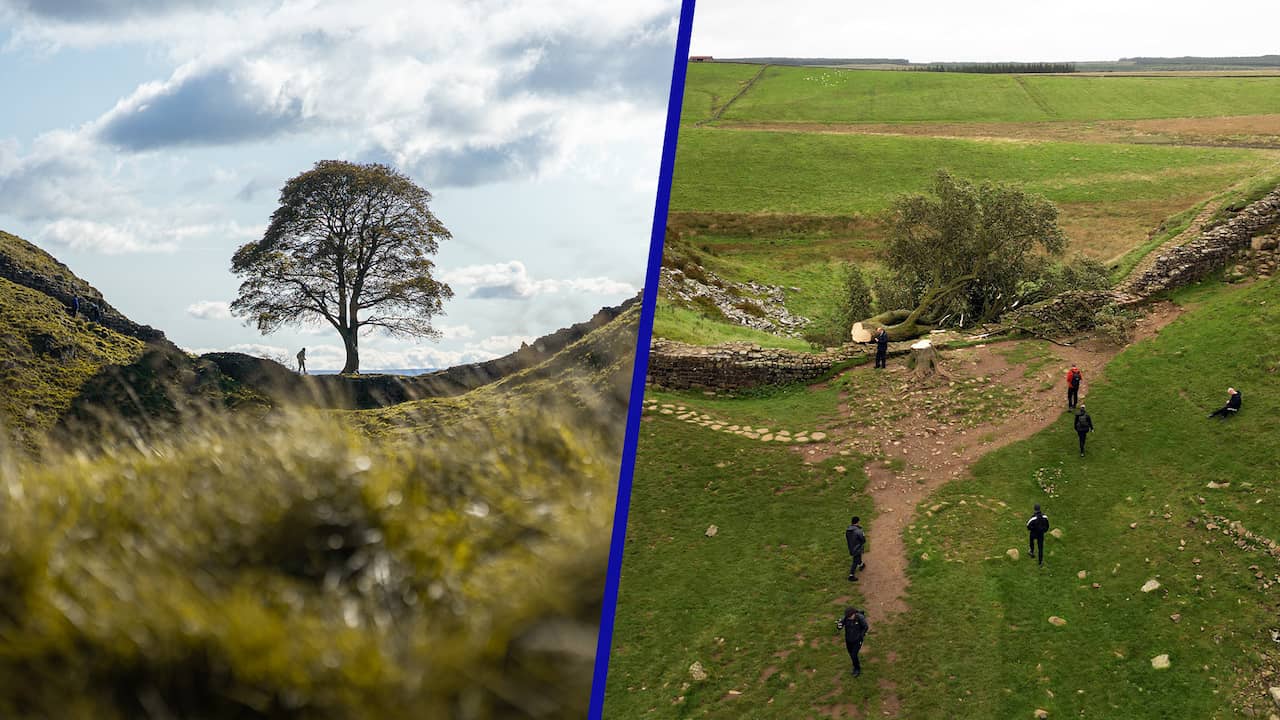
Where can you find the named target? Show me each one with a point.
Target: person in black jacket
(1037, 526)
(881, 339)
(856, 539)
(854, 624)
(1084, 426)
(1231, 408)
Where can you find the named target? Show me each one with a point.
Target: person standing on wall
(1073, 386)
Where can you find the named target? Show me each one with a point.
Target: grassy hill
(788, 94)
(754, 604)
(46, 355)
(187, 560)
(793, 176)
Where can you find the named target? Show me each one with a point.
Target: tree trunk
(924, 361)
(351, 342)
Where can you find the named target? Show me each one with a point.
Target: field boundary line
(741, 91)
(1035, 98)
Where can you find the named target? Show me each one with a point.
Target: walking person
(881, 339)
(1231, 408)
(856, 539)
(854, 624)
(1073, 386)
(1037, 526)
(75, 306)
(1084, 426)
(302, 361)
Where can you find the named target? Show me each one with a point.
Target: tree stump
(924, 360)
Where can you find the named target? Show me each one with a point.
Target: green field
(799, 94)
(976, 641)
(712, 85)
(793, 178)
(811, 173)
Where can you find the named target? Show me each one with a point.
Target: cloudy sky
(142, 141)
(1017, 30)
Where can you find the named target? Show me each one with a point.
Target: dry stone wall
(737, 365)
(1212, 251)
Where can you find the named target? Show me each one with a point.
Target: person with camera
(856, 539)
(855, 627)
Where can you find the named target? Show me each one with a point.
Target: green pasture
(755, 605)
(708, 86)
(828, 174)
(976, 641)
(800, 94)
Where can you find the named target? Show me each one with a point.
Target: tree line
(998, 67)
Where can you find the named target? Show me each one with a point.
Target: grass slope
(46, 356)
(754, 604)
(711, 86)
(976, 641)
(1150, 460)
(827, 174)
(793, 94)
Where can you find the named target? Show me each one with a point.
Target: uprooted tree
(350, 245)
(963, 252)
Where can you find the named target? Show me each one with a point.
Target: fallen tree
(964, 249)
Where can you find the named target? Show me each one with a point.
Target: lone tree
(349, 245)
(963, 251)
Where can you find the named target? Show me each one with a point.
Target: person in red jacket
(1073, 386)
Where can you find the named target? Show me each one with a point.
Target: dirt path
(924, 441)
(716, 115)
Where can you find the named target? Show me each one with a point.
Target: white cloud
(104, 238)
(511, 281)
(210, 310)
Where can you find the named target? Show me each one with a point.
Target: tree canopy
(963, 250)
(349, 245)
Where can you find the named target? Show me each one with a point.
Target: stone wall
(738, 365)
(1212, 251)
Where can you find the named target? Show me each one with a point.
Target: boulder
(1160, 662)
(697, 672)
(1055, 620)
(1150, 585)
(1012, 553)
(860, 334)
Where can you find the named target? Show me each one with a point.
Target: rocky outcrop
(754, 305)
(1213, 250)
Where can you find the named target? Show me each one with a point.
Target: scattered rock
(1217, 485)
(1275, 695)
(1056, 532)
(1055, 620)
(1160, 662)
(1012, 553)
(1041, 714)
(712, 530)
(698, 673)
(1150, 585)
(1082, 574)
(1175, 617)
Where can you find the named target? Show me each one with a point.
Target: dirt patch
(929, 449)
(1250, 131)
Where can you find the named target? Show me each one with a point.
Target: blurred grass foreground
(441, 557)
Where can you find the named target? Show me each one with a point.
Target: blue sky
(144, 140)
